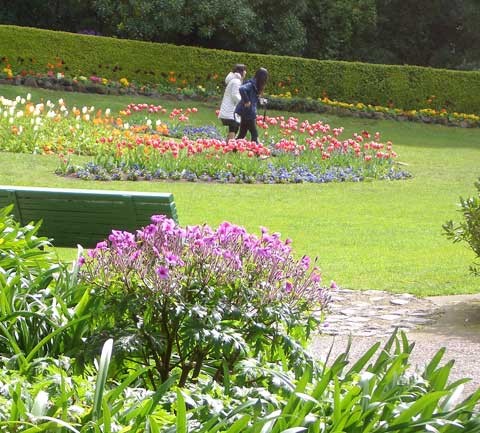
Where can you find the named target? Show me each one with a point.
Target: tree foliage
(439, 33)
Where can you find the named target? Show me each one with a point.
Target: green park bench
(85, 217)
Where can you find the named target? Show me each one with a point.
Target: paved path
(444, 321)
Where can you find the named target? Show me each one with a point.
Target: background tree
(338, 29)
(438, 33)
(68, 15)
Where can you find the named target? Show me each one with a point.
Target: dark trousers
(248, 125)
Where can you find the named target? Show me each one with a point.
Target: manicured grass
(375, 235)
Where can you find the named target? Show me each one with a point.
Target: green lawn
(375, 235)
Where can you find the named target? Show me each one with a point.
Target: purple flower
(147, 231)
(121, 239)
(101, 246)
(333, 285)
(305, 262)
(157, 218)
(162, 272)
(288, 287)
(135, 255)
(173, 260)
(81, 261)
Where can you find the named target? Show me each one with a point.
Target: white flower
(19, 113)
(29, 96)
(10, 120)
(86, 117)
(126, 125)
(84, 110)
(107, 112)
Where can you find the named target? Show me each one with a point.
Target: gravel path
(452, 322)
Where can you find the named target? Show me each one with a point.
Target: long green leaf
(357, 367)
(106, 418)
(46, 339)
(433, 364)
(418, 406)
(239, 425)
(18, 352)
(102, 378)
(181, 413)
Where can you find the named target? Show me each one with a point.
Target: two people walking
(238, 110)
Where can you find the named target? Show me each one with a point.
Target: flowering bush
(197, 299)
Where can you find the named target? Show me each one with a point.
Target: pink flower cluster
(177, 113)
(208, 146)
(322, 138)
(168, 258)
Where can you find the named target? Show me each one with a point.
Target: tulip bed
(144, 141)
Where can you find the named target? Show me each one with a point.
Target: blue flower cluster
(273, 174)
(195, 132)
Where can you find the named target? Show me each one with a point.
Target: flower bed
(145, 142)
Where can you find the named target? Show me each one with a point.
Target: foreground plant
(375, 394)
(41, 313)
(197, 299)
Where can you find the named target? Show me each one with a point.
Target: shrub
(194, 298)
(406, 87)
(467, 230)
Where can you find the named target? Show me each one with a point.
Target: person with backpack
(231, 97)
(251, 92)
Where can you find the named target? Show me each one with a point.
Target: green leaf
(240, 425)
(106, 418)
(433, 364)
(358, 366)
(102, 378)
(181, 413)
(40, 404)
(418, 406)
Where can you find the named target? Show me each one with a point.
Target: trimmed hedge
(406, 87)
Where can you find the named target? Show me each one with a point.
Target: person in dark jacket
(250, 92)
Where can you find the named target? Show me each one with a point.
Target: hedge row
(406, 87)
